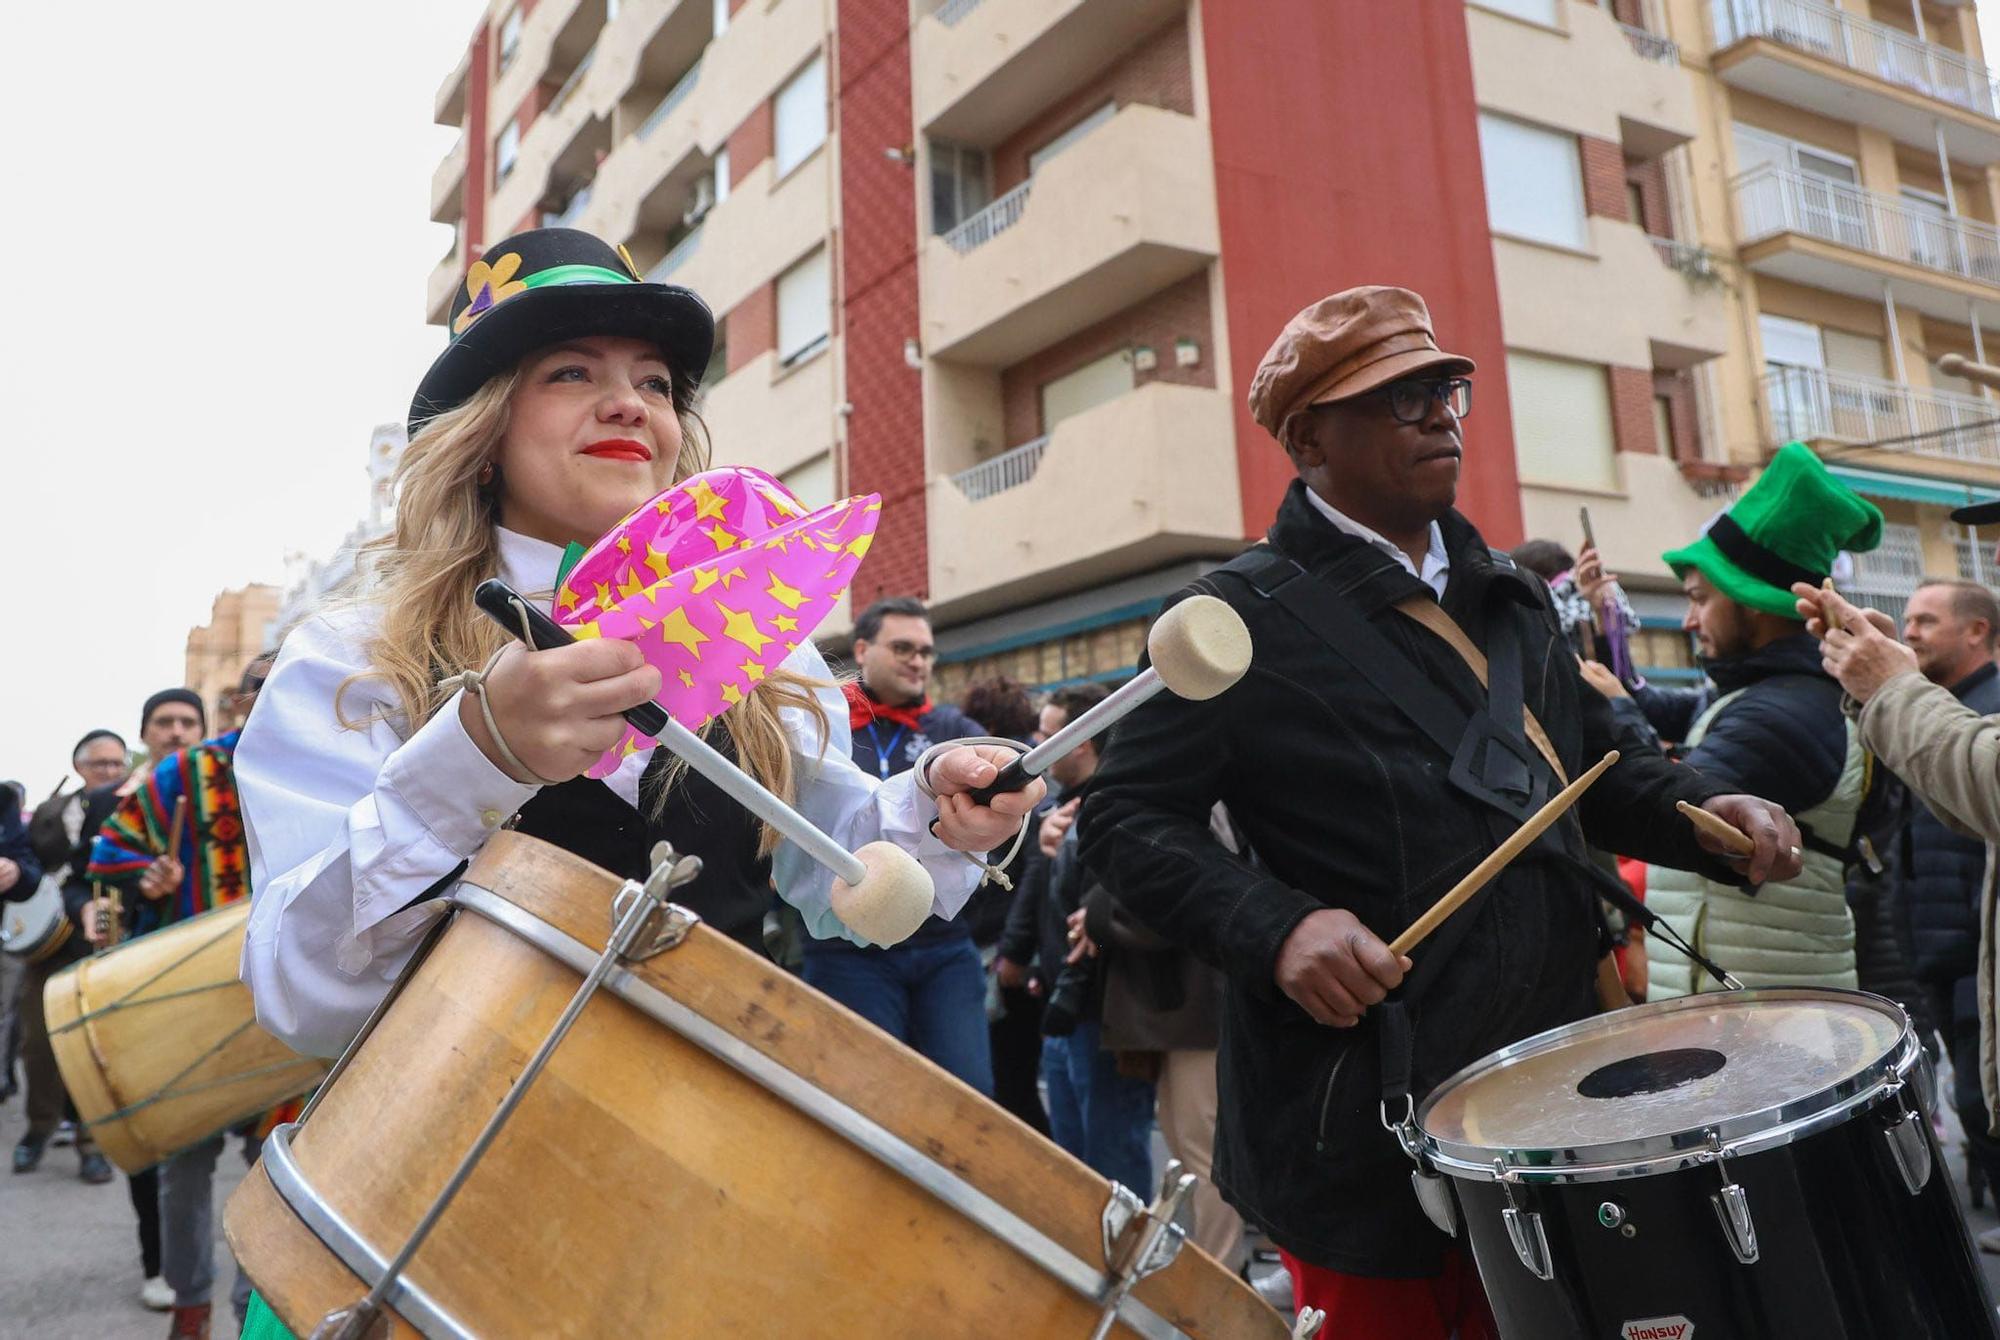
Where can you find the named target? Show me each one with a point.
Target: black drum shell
(1845, 1251)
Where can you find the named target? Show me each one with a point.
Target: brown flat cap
(1344, 346)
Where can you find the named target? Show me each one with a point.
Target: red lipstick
(620, 449)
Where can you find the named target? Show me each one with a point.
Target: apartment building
(1011, 263)
(1815, 184)
(242, 622)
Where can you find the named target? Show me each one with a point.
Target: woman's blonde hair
(422, 574)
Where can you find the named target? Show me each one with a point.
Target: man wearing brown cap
(1371, 767)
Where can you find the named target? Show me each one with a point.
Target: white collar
(529, 565)
(1435, 559)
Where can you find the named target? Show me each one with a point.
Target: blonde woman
(564, 400)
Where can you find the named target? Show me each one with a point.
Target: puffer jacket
(1941, 869)
(1778, 733)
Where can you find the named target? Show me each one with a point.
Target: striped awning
(1911, 488)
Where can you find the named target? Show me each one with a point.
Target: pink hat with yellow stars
(716, 581)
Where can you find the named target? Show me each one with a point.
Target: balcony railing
(571, 84)
(1864, 45)
(675, 258)
(1810, 404)
(1772, 200)
(952, 12)
(990, 222)
(1696, 262)
(568, 215)
(1010, 469)
(675, 97)
(1652, 46)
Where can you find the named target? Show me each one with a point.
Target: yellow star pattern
(676, 628)
(731, 694)
(703, 579)
(687, 680)
(657, 561)
(630, 747)
(808, 542)
(586, 629)
(785, 623)
(722, 537)
(604, 595)
(624, 544)
(751, 671)
(663, 506)
(566, 599)
(860, 546)
(706, 503)
(788, 596)
(731, 575)
(631, 586)
(740, 626)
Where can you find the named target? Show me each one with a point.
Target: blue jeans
(1097, 1114)
(187, 1223)
(930, 996)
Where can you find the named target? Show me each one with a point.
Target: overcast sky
(219, 215)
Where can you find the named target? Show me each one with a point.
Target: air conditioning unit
(703, 201)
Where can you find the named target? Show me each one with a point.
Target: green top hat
(1787, 528)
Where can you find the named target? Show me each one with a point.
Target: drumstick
(1826, 611)
(1198, 648)
(880, 891)
(1733, 839)
(1516, 843)
(178, 827)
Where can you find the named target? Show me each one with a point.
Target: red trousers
(1450, 1306)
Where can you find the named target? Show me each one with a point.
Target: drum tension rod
(1140, 1240)
(639, 906)
(1909, 1150)
(1524, 1225)
(1732, 1206)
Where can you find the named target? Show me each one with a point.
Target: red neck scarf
(863, 707)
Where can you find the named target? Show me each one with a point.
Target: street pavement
(69, 1254)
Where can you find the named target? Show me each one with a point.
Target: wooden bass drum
(715, 1149)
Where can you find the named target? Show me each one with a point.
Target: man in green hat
(1776, 731)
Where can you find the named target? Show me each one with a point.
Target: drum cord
(993, 871)
(125, 1001)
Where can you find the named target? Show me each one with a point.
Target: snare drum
(714, 1149)
(1755, 1165)
(37, 926)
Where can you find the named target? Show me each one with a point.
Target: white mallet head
(893, 898)
(1200, 647)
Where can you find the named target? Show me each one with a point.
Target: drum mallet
(1198, 648)
(1516, 843)
(1958, 365)
(880, 891)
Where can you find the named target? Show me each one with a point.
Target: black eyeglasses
(1410, 400)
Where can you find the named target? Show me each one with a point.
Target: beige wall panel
(1605, 308)
(773, 420)
(1583, 80)
(1783, 298)
(762, 227)
(1657, 512)
(1795, 123)
(964, 417)
(531, 58)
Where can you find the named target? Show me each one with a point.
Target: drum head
(1642, 1083)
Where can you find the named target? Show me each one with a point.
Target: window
(721, 17)
(1091, 385)
(1534, 11)
(718, 355)
(960, 185)
(1789, 343)
(805, 303)
(506, 150)
(1534, 181)
(1562, 422)
(610, 11)
(800, 117)
(1663, 425)
(1886, 575)
(812, 482)
(1040, 157)
(722, 174)
(510, 36)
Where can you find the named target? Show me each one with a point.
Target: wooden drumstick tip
(1832, 619)
(1199, 647)
(893, 898)
(1733, 839)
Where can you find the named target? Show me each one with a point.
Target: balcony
(981, 70)
(677, 256)
(1133, 484)
(1832, 236)
(1919, 427)
(1632, 300)
(448, 186)
(771, 418)
(443, 284)
(1826, 60)
(558, 153)
(1126, 211)
(768, 224)
(448, 108)
(1594, 76)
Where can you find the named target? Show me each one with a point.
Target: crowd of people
(1188, 931)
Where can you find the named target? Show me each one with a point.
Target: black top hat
(1976, 514)
(548, 285)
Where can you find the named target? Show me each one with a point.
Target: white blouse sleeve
(854, 809)
(347, 829)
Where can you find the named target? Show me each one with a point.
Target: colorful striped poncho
(213, 851)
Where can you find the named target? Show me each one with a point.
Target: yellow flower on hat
(487, 285)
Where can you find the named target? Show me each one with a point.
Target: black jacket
(1783, 737)
(14, 846)
(1941, 870)
(1346, 804)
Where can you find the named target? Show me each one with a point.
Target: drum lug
(1524, 1226)
(1732, 1207)
(1139, 1239)
(669, 923)
(1908, 1147)
(1432, 1193)
(1308, 1324)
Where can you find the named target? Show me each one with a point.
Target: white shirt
(1437, 567)
(347, 828)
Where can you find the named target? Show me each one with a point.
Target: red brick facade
(750, 143)
(752, 326)
(1650, 179)
(478, 145)
(1604, 178)
(1177, 313)
(876, 288)
(1682, 424)
(1632, 409)
(1157, 72)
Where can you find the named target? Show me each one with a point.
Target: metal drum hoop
(1751, 1133)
